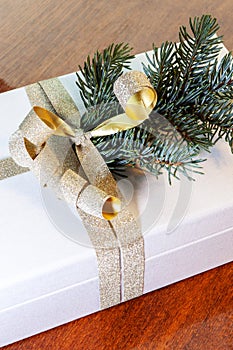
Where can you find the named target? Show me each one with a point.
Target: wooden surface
(47, 38)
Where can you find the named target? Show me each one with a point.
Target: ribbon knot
(80, 137)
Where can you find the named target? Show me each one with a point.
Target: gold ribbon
(86, 182)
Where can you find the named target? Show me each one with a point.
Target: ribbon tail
(102, 237)
(108, 258)
(9, 168)
(133, 254)
(124, 225)
(118, 243)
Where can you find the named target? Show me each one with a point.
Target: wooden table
(47, 38)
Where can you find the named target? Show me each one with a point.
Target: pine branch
(194, 78)
(95, 81)
(194, 98)
(196, 51)
(150, 151)
(216, 103)
(160, 68)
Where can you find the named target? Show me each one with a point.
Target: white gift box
(49, 272)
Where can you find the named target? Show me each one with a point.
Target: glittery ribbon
(83, 179)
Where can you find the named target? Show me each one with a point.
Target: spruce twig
(195, 94)
(95, 81)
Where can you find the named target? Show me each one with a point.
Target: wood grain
(47, 38)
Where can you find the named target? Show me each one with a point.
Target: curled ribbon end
(111, 208)
(137, 97)
(149, 97)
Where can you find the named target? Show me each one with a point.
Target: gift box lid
(37, 258)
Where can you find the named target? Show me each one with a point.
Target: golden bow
(82, 177)
(93, 191)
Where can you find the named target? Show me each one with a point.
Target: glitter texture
(95, 168)
(18, 150)
(108, 258)
(61, 101)
(37, 97)
(34, 129)
(71, 185)
(132, 250)
(45, 165)
(128, 84)
(9, 168)
(91, 200)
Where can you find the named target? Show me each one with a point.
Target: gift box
(49, 270)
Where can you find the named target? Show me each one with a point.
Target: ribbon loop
(19, 151)
(52, 122)
(134, 88)
(35, 129)
(96, 202)
(137, 97)
(88, 198)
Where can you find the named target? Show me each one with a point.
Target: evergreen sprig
(95, 81)
(194, 89)
(194, 109)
